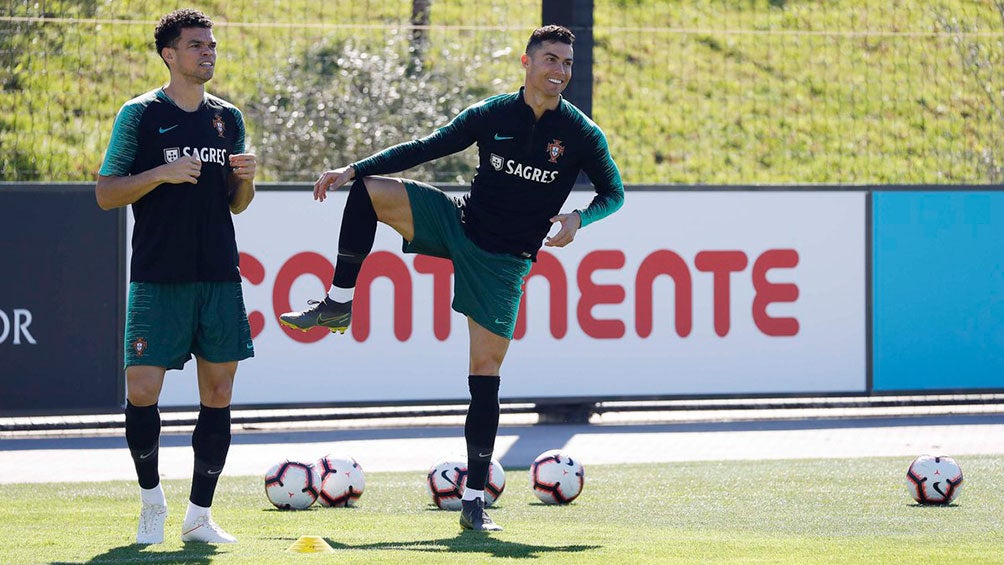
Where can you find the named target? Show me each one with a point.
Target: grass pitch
(793, 511)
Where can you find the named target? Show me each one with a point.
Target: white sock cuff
(471, 494)
(194, 511)
(153, 495)
(342, 295)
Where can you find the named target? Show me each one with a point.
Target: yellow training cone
(310, 544)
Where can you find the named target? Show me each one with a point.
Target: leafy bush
(342, 102)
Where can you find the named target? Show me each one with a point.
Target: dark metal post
(576, 15)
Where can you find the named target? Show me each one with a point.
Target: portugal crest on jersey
(139, 346)
(218, 124)
(554, 150)
(496, 162)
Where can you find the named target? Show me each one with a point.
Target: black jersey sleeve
(601, 169)
(454, 137)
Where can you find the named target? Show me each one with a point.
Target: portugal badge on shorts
(218, 124)
(554, 150)
(139, 346)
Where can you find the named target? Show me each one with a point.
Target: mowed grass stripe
(788, 511)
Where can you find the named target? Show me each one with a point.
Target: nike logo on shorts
(148, 453)
(497, 321)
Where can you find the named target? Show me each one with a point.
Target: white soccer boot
(203, 529)
(151, 524)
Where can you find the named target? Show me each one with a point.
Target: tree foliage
(343, 101)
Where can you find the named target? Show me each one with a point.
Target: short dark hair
(552, 32)
(169, 27)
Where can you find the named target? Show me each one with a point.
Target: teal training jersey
(183, 232)
(526, 169)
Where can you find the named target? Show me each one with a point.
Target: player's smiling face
(548, 68)
(194, 54)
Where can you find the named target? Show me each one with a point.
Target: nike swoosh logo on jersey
(502, 137)
(165, 130)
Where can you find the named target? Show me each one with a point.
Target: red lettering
(382, 264)
(595, 294)
(768, 292)
(442, 273)
(663, 262)
(254, 272)
(548, 267)
(305, 263)
(721, 264)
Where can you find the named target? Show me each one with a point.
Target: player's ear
(524, 60)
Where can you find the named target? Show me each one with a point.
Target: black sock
(355, 240)
(142, 431)
(481, 428)
(210, 442)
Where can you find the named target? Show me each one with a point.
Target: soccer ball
(556, 477)
(934, 479)
(342, 481)
(447, 480)
(292, 485)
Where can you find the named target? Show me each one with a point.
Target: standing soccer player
(532, 145)
(177, 155)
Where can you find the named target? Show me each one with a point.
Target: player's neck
(188, 97)
(539, 102)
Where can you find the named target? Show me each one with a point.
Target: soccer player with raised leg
(532, 145)
(177, 156)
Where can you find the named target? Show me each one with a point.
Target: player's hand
(331, 180)
(570, 224)
(184, 169)
(244, 165)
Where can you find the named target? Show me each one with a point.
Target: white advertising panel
(678, 293)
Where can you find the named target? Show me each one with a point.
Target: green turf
(813, 511)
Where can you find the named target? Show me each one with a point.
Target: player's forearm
(444, 141)
(115, 192)
(242, 194)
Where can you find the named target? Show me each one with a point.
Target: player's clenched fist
(184, 169)
(243, 165)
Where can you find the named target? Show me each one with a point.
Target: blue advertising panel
(61, 289)
(938, 291)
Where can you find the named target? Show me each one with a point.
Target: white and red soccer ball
(447, 480)
(932, 479)
(556, 477)
(292, 485)
(342, 480)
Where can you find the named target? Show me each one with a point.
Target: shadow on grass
(469, 542)
(195, 553)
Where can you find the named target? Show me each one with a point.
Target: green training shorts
(166, 323)
(487, 287)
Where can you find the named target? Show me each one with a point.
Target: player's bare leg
(370, 200)
(210, 442)
(487, 353)
(143, 437)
